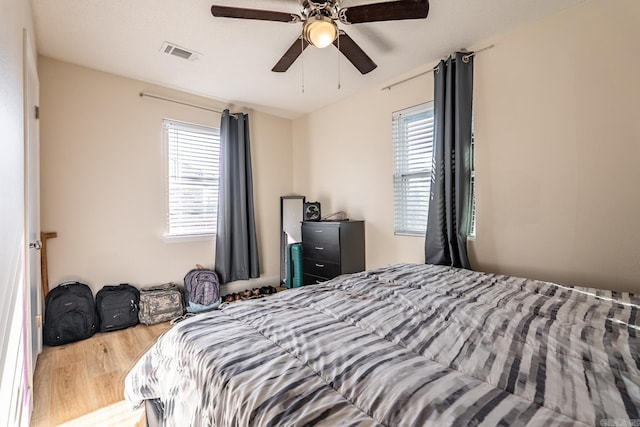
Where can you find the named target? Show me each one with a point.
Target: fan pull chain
(339, 86)
(302, 60)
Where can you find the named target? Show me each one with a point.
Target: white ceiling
(124, 37)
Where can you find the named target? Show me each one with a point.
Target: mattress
(404, 345)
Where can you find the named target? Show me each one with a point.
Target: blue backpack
(202, 289)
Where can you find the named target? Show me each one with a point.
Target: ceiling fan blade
(291, 55)
(354, 53)
(387, 11)
(262, 15)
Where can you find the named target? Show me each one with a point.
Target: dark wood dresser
(331, 248)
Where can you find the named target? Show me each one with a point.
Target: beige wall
(555, 167)
(557, 152)
(556, 119)
(103, 179)
(343, 158)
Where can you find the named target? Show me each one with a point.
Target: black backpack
(117, 307)
(70, 314)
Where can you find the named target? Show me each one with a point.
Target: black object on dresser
(331, 248)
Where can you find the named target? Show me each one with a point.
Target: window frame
(402, 216)
(176, 235)
(427, 107)
(472, 185)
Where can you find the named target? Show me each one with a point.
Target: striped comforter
(405, 345)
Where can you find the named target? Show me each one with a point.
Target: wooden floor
(82, 384)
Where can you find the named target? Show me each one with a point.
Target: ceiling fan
(319, 25)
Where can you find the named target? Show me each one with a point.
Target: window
(193, 154)
(412, 136)
(472, 232)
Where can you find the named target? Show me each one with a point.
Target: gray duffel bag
(160, 303)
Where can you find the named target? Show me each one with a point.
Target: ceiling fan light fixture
(320, 31)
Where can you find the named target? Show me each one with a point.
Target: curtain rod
(431, 71)
(188, 104)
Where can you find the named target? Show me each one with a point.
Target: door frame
(33, 297)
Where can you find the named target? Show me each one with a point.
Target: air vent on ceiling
(180, 52)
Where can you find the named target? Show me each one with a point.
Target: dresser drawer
(309, 279)
(321, 251)
(323, 235)
(320, 268)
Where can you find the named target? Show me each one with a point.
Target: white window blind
(193, 154)
(412, 137)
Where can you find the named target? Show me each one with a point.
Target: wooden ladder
(43, 260)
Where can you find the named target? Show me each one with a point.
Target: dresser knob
(317, 248)
(320, 265)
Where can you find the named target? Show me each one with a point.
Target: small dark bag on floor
(70, 314)
(117, 307)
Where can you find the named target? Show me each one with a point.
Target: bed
(403, 345)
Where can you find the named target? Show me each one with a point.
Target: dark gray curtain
(236, 242)
(449, 218)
